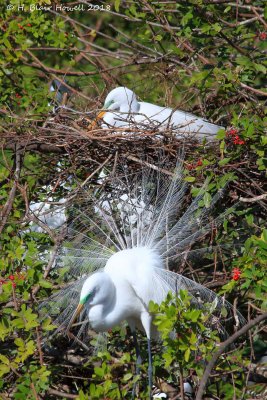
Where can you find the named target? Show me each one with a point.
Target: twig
(260, 17)
(52, 259)
(257, 91)
(9, 203)
(34, 391)
(39, 346)
(97, 169)
(181, 382)
(62, 394)
(14, 298)
(83, 345)
(142, 162)
(221, 350)
(253, 199)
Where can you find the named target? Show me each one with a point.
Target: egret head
(121, 99)
(97, 289)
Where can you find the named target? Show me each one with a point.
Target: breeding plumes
(121, 109)
(122, 242)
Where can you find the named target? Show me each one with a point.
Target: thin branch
(51, 260)
(260, 17)
(221, 350)
(253, 199)
(34, 391)
(142, 162)
(257, 91)
(9, 203)
(62, 394)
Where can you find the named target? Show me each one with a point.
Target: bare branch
(9, 203)
(221, 350)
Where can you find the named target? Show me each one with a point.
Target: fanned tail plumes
(136, 210)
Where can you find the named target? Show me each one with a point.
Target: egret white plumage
(121, 109)
(126, 257)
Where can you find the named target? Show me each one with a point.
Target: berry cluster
(236, 274)
(18, 96)
(22, 27)
(193, 166)
(232, 134)
(12, 278)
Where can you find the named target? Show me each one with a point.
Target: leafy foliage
(202, 56)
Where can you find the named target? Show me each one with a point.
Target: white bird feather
(121, 109)
(121, 261)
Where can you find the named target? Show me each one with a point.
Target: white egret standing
(121, 109)
(125, 247)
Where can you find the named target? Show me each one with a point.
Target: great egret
(121, 109)
(126, 258)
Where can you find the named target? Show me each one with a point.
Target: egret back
(181, 121)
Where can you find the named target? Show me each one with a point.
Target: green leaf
(99, 371)
(190, 179)
(117, 5)
(207, 199)
(158, 38)
(187, 355)
(45, 284)
(127, 376)
(224, 161)
(260, 68)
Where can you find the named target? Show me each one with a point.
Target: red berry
(11, 277)
(232, 132)
(29, 24)
(236, 274)
(262, 35)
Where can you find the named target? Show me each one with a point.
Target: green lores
(85, 299)
(108, 104)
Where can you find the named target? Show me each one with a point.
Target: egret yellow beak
(94, 122)
(75, 316)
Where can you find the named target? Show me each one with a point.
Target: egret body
(121, 109)
(123, 290)
(118, 251)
